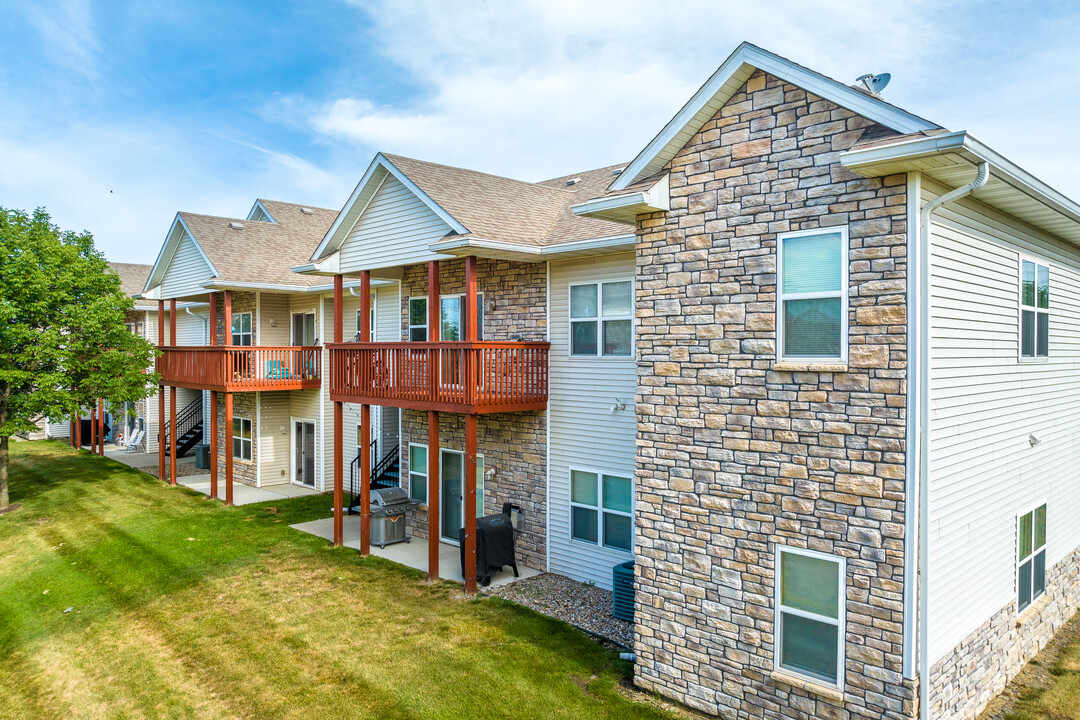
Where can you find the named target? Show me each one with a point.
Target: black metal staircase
(189, 425)
(386, 473)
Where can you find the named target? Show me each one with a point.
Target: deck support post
(470, 503)
(172, 399)
(213, 444)
(78, 431)
(101, 427)
(365, 424)
(227, 317)
(433, 516)
(212, 327)
(161, 393)
(471, 335)
(433, 495)
(228, 449)
(339, 440)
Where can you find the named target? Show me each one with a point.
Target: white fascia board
(259, 206)
(329, 265)
(335, 236)
(462, 246)
(1001, 167)
(748, 57)
(623, 208)
(375, 283)
(217, 284)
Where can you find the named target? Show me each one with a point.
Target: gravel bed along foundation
(585, 606)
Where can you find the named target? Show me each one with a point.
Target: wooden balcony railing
(462, 377)
(232, 368)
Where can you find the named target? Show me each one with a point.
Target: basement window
(1034, 309)
(241, 438)
(810, 614)
(601, 509)
(1031, 557)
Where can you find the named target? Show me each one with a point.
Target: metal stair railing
(186, 420)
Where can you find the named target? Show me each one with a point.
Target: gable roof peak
(726, 81)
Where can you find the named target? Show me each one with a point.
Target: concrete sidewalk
(245, 494)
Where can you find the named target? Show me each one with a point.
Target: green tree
(63, 341)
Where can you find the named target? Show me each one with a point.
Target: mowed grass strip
(183, 608)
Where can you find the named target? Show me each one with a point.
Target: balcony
(228, 368)
(468, 377)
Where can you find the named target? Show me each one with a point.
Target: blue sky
(115, 115)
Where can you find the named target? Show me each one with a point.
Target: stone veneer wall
(244, 471)
(963, 682)
(737, 454)
(242, 301)
(514, 444)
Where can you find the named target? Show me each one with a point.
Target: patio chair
(133, 444)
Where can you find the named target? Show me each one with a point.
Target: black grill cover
(494, 547)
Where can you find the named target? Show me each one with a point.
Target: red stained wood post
(365, 423)
(172, 399)
(227, 322)
(101, 427)
(433, 424)
(228, 448)
(471, 315)
(339, 441)
(93, 429)
(161, 393)
(213, 405)
(78, 431)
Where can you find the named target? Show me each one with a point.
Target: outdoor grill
(388, 508)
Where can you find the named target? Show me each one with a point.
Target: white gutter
(923, 391)
(474, 243)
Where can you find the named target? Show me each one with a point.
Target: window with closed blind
(812, 295)
(810, 614)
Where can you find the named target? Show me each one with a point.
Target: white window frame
(843, 294)
(427, 334)
(1031, 558)
(600, 509)
(1021, 307)
(250, 333)
(840, 622)
(408, 318)
(314, 323)
(293, 450)
(374, 317)
(600, 318)
(414, 472)
(250, 442)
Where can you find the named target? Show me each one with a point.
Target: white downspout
(924, 427)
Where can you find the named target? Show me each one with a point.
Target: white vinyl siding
(583, 430)
(985, 403)
(395, 229)
(275, 449)
(275, 320)
(186, 271)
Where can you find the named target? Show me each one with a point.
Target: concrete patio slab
(141, 459)
(412, 554)
(245, 494)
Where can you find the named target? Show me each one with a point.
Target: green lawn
(185, 608)
(1056, 696)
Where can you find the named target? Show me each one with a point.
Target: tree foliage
(63, 339)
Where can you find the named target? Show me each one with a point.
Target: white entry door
(304, 453)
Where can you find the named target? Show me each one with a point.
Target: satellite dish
(875, 83)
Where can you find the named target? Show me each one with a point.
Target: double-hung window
(1034, 309)
(812, 294)
(418, 472)
(241, 438)
(418, 319)
(241, 329)
(810, 614)
(1030, 557)
(601, 509)
(602, 319)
